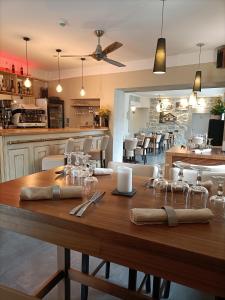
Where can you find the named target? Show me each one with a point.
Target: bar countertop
(216, 153)
(36, 131)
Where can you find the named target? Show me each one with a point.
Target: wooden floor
(26, 262)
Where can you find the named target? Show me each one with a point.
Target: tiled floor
(26, 262)
(153, 159)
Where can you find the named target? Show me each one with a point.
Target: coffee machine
(28, 115)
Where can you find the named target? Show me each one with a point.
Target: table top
(202, 245)
(216, 153)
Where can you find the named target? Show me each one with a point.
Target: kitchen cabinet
(18, 163)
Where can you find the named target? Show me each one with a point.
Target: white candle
(124, 179)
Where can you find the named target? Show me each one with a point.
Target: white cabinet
(39, 152)
(18, 163)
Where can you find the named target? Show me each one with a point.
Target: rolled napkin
(170, 216)
(54, 192)
(103, 171)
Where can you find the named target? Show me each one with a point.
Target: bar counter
(31, 131)
(22, 150)
(215, 157)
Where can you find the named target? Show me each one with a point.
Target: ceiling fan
(100, 54)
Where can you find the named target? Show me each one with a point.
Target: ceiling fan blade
(113, 62)
(114, 46)
(68, 55)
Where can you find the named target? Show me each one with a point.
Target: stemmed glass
(160, 185)
(198, 194)
(209, 143)
(220, 192)
(90, 181)
(179, 187)
(68, 167)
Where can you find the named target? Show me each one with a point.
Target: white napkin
(103, 171)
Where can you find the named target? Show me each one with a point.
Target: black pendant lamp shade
(197, 86)
(197, 83)
(160, 57)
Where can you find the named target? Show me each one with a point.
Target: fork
(77, 208)
(84, 208)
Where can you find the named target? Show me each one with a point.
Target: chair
(53, 161)
(166, 142)
(137, 169)
(129, 148)
(142, 150)
(198, 140)
(99, 154)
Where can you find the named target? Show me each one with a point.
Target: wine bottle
(21, 71)
(13, 68)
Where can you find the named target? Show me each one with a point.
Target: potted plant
(104, 114)
(217, 109)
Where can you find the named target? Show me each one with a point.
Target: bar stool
(99, 154)
(53, 161)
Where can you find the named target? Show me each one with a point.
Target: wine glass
(90, 181)
(217, 202)
(180, 189)
(160, 185)
(68, 167)
(209, 143)
(198, 194)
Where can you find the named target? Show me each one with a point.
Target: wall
(104, 86)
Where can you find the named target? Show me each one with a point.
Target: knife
(84, 208)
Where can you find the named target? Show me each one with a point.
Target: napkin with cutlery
(54, 192)
(103, 171)
(169, 215)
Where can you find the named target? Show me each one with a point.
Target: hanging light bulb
(82, 91)
(27, 82)
(198, 76)
(58, 87)
(193, 99)
(160, 54)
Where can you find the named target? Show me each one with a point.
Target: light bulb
(27, 83)
(133, 109)
(193, 100)
(59, 88)
(82, 92)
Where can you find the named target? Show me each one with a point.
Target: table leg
(84, 269)
(63, 262)
(132, 279)
(156, 288)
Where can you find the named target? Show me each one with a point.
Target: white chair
(143, 149)
(99, 154)
(129, 148)
(166, 141)
(53, 161)
(191, 175)
(138, 169)
(198, 140)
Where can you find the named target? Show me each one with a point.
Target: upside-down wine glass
(180, 189)
(160, 185)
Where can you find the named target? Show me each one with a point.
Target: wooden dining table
(189, 254)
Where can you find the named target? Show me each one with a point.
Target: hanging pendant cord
(162, 17)
(199, 58)
(82, 64)
(26, 58)
(58, 69)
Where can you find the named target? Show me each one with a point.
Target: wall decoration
(182, 104)
(167, 118)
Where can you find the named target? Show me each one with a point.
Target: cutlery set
(80, 209)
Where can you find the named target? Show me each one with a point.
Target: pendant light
(198, 76)
(160, 54)
(58, 87)
(82, 91)
(27, 83)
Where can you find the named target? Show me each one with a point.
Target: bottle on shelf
(13, 68)
(21, 70)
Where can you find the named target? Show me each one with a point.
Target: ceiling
(208, 92)
(135, 23)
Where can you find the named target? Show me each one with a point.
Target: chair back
(197, 140)
(158, 138)
(146, 142)
(104, 142)
(137, 169)
(130, 144)
(87, 145)
(166, 137)
(70, 145)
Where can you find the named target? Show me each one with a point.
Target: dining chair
(100, 154)
(166, 142)
(53, 161)
(142, 150)
(129, 148)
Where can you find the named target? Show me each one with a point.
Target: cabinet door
(39, 153)
(18, 163)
